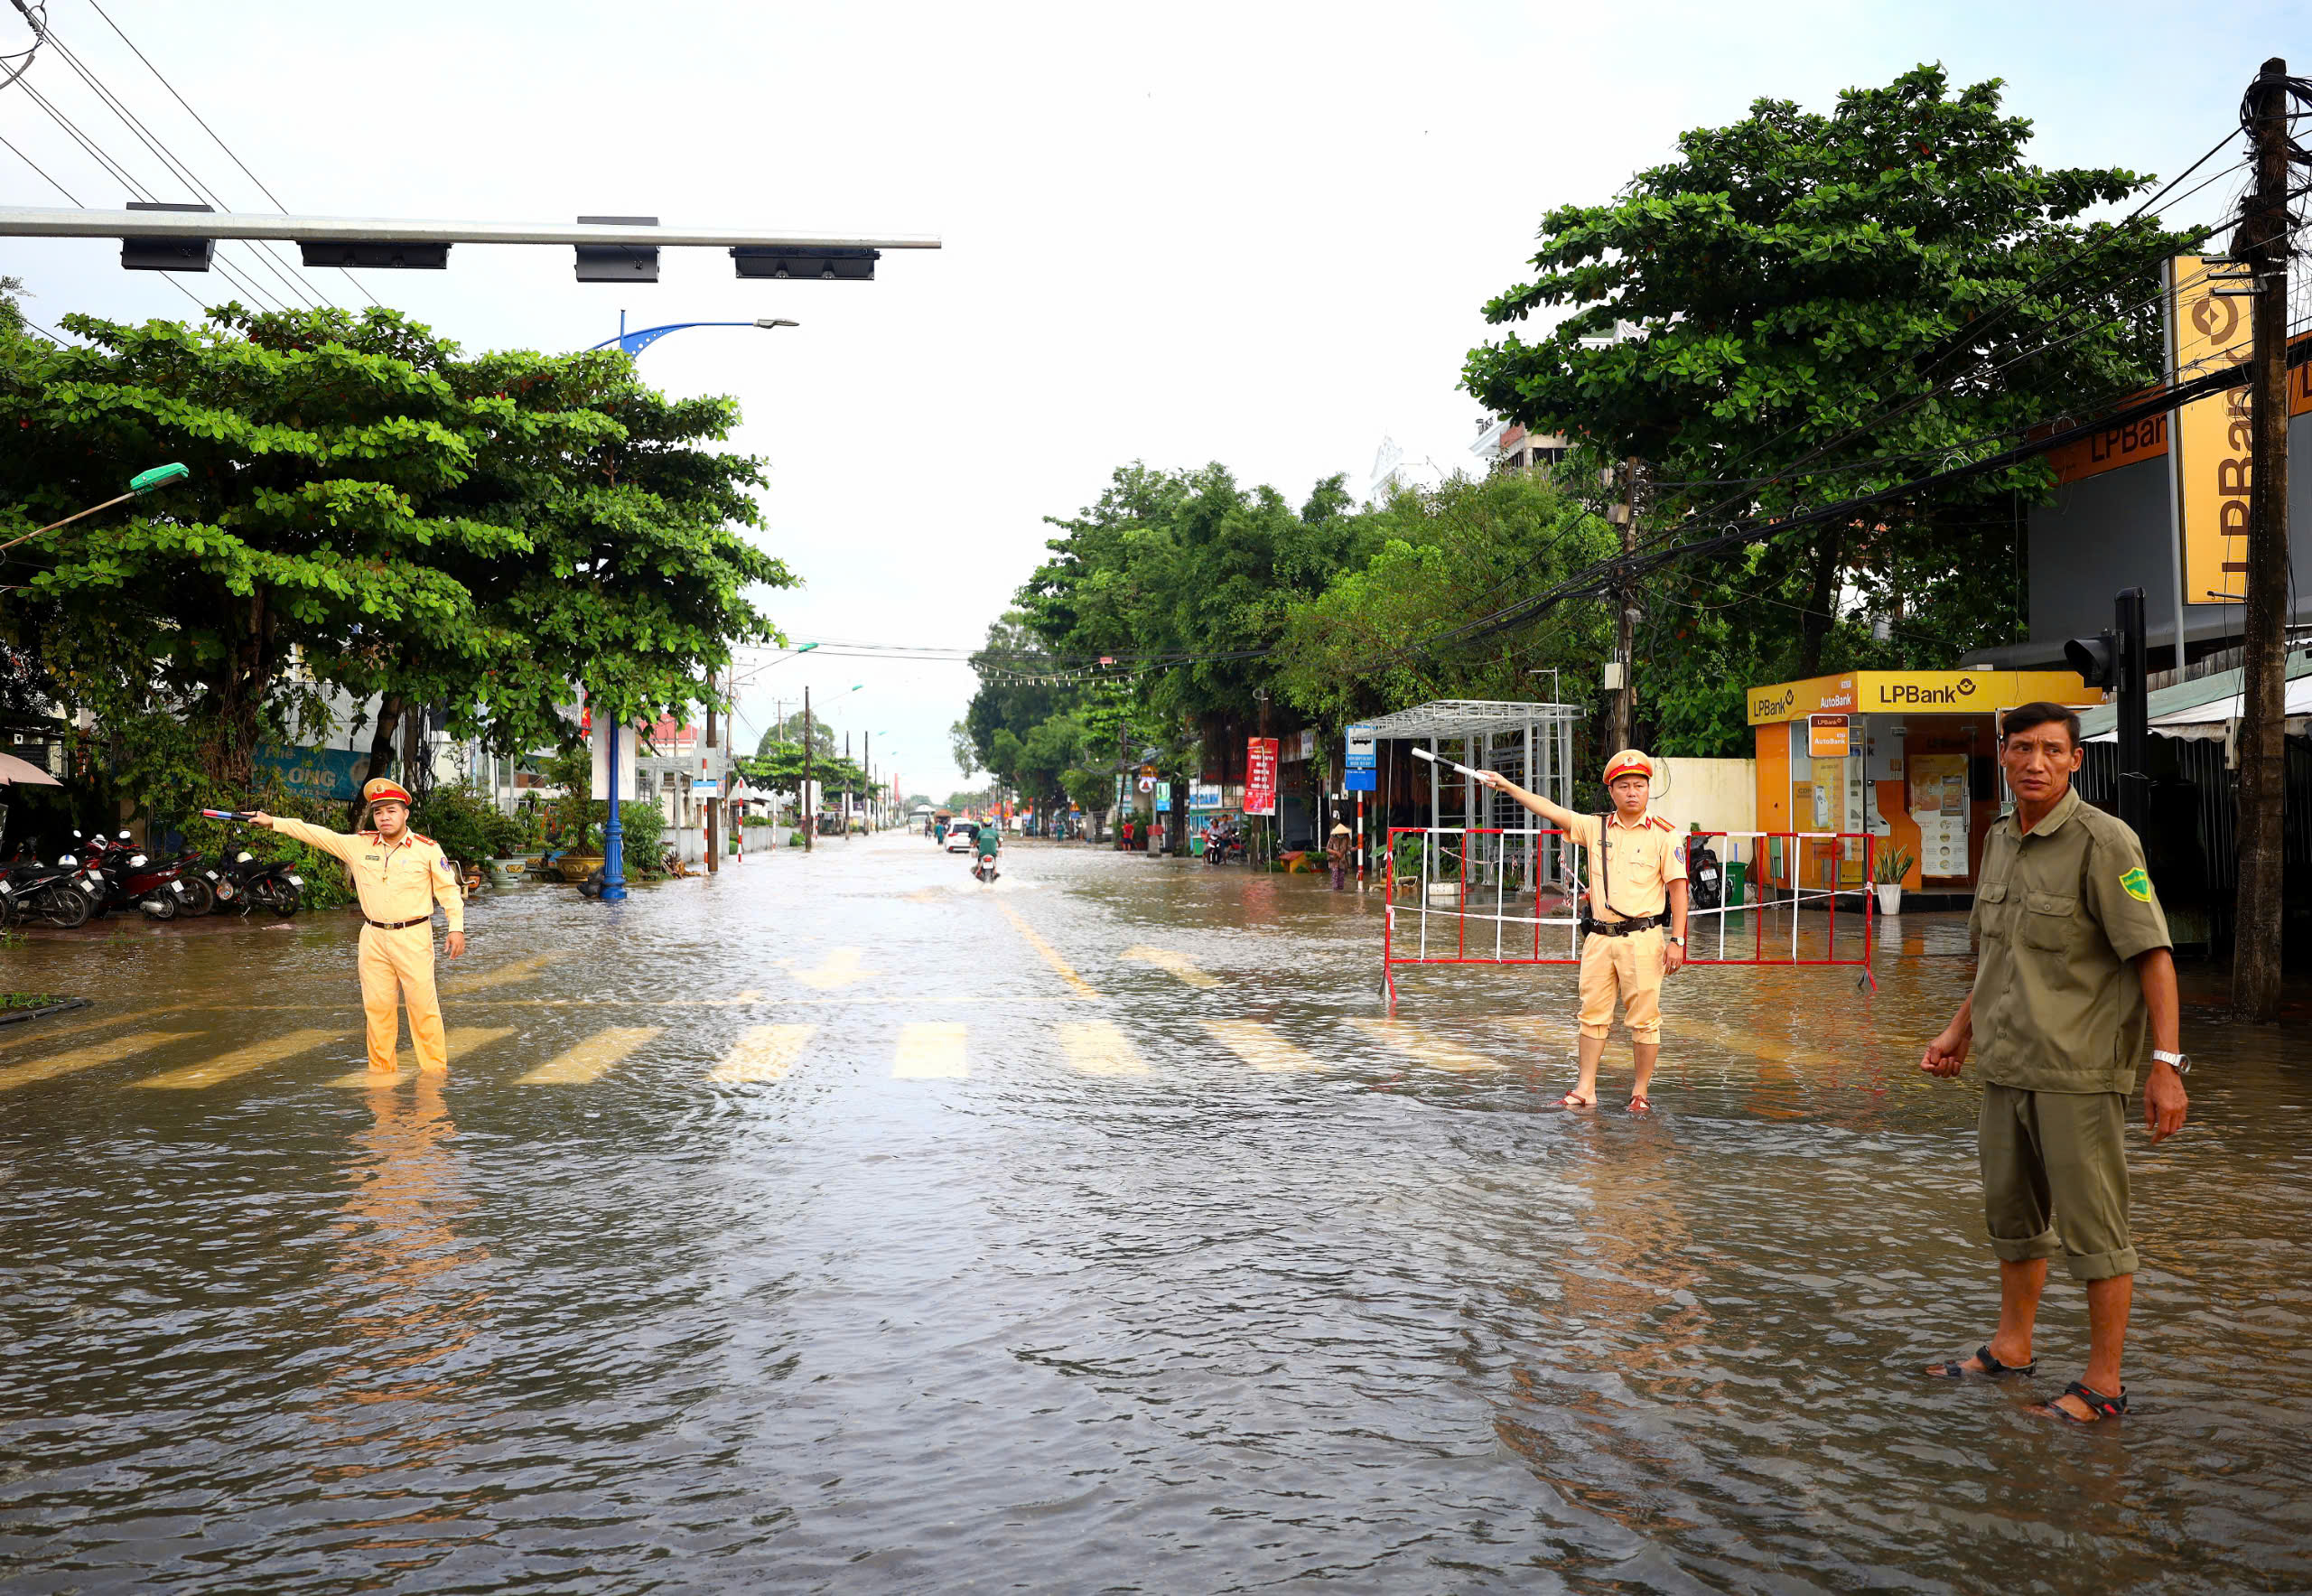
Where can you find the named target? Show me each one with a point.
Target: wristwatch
(2183, 1065)
(1681, 941)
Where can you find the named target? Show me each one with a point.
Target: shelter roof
(1470, 717)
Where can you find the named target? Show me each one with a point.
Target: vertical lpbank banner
(1259, 775)
(2207, 332)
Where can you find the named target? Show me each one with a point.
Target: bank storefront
(1907, 756)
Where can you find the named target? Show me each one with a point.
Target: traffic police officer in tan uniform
(400, 876)
(2074, 984)
(1624, 948)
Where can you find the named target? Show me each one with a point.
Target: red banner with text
(1259, 775)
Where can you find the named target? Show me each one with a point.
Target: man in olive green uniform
(2062, 907)
(1637, 884)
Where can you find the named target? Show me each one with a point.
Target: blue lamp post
(614, 832)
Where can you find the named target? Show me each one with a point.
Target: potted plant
(1887, 872)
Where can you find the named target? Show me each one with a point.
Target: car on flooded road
(961, 836)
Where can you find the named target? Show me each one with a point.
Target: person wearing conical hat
(1336, 850)
(1633, 919)
(400, 877)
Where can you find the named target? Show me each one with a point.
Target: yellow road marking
(1259, 1046)
(1178, 964)
(766, 1052)
(108, 1051)
(1051, 955)
(33, 1031)
(1418, 1044)
(1096, 1047)
(591, 1059)
(256, 1054)
(930, 1049)
(463, 1040)
(839, 969)
(521, 969)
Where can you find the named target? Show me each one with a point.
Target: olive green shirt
(2058, 915)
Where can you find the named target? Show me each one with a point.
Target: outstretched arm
(1532, 800)
(334, 843)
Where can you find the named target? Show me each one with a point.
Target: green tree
(1803, 307)
(369, 510)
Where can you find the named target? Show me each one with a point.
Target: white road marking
(256, 1054)
(766, 1052)
(931, 1050)
(591, 1059)
(1418, 1044)
(1098, 1046)
(1178, 964)
(95, 1053)
(1260, 1046)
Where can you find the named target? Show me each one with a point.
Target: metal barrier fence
(1538, 863)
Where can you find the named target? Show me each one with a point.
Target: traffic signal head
(2095, 659)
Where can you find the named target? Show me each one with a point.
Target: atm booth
(1909, 757)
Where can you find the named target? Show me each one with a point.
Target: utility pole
(713, 832)
(2263, 243)
(1624, 711)
(803, 799)
(846, 792)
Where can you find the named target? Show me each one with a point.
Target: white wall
(1719, 794)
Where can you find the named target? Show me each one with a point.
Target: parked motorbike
(262, 883)
(62, 894)
(160, 890)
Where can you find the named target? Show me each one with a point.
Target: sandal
(1571, 1101)
(1993, 1369)
(2102, 1406)
(1639, 1105)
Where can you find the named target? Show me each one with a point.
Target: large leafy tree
(372, 510)
(1804, 307)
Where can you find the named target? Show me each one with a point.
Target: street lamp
(642, 338)
(142, 483)
(614, 831)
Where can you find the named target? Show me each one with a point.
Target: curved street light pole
(631, 344)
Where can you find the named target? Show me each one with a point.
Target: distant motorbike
(984, 869)
(160, 890)
(63, 893)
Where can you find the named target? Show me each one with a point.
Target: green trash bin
(1735, 871)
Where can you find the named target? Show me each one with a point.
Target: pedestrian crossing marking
(1050, 954)
(37, 1031)
(931, 1050)
(1259, 1045)
(111, 1050)
(461, 1039)
(839, 969)
(1178, 964)
(1097, 1047)
(752, 994)
(504, 975)
(1419, 1045)
(241, 1060)
(766, 1052)
(590, 1059)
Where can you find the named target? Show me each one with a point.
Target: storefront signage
(1925, 692)
(1204, 796)
(1259, 775)
(1826, 737)
(333, 773)
(2209, 332)
(1163, 798)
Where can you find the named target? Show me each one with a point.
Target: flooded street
(836, 1222)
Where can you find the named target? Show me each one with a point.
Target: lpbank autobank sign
(1915, 692)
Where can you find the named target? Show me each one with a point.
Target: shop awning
(1470, 717)
(2207, 707)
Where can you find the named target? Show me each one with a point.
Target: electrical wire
(216, 137)
(20, 61)
(175, 166)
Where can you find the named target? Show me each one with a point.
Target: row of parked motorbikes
(103, 875)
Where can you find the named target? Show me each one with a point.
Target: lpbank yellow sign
(1915, 692)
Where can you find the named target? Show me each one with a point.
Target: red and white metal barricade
(1555, 868)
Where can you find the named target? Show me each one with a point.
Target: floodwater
(838, 1223)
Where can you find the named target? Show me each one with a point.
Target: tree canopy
(1805, 306)
(371, 511)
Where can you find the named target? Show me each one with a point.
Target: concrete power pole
(2263, 243)
(803, 799)
(715, 804)
(1625, 717)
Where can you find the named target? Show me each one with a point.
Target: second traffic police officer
(1637, 872)
(400, 876)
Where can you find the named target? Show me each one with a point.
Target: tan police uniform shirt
(2058, 915)
(1643, 860)
(399, 883)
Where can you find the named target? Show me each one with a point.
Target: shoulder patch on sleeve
(2137, 884)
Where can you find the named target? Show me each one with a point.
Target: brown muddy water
(839, 1223)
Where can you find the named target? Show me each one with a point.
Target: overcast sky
(1255, 234)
